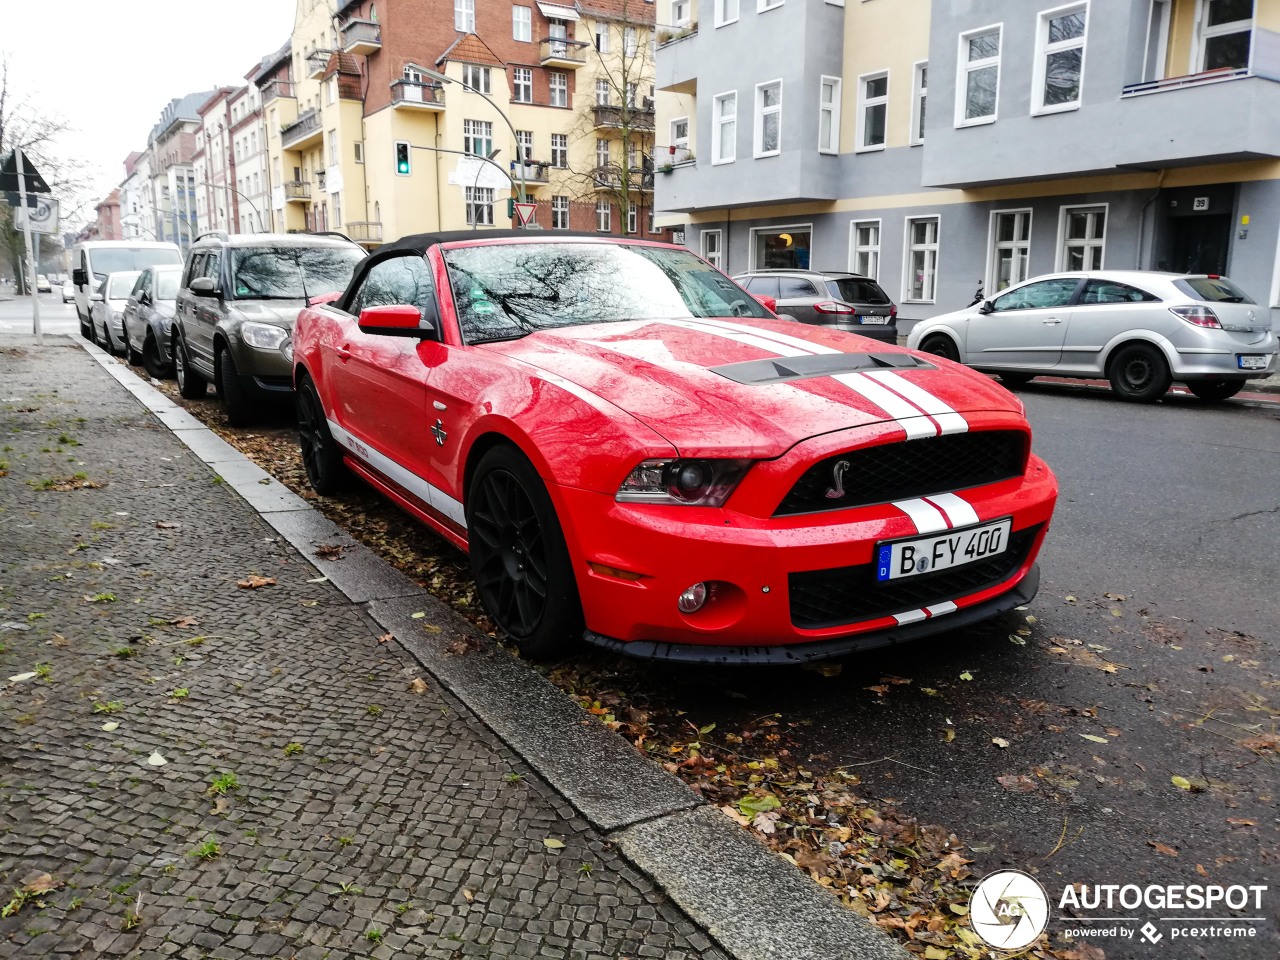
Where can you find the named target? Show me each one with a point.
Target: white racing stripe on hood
(750, 338)
(784, 339)
(908, 416)
(948, 420)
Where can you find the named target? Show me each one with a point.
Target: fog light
(693, 598)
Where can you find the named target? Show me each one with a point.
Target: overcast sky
(108, 67)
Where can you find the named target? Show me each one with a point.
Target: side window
(1036, 296)
(795, 287)
(211, 264)
(195, 268)
(139, 286)
(763, 286)
(1108, 291)
(400, 280)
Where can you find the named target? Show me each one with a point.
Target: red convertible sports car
(635, 451)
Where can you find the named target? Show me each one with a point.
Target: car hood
(282, 313)
(756, 388)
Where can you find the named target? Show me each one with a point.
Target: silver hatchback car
(1140, 329)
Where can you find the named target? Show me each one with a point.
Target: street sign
(42, 215)
(9, 175)
(525, 212)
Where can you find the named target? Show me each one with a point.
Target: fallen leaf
(419, 685)
(1000, 742)
(111, 725)
(1069, 598)
(929, 691)
(1117, 612)
(253, 582)
(1115, 596)
(751, 804)
(966, 675)
(468, 896)
(1020, 641)
(1095, 738)
(948, 734)
(330, 551)
(1265, 741)
(221, 806)
(167, 525)
(417, 616)
(1241, 822)
(1082, 951)
(386, 638)
(185, 622)
(1162, 849)
(1182, 783)
(879, 689)
(732, 813)
(551, 843)
(1201, 870)
(935, 953)
(1017, 783)
(22, 677)
(156, 760)
(318, 580)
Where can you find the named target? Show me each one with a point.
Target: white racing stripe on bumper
(428, 494)
(948, 420)
(926, 517)
(941, 609)
(910, 616)
(960, 512)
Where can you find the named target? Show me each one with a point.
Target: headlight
(263, 335)
(693, 481)
(287, 350)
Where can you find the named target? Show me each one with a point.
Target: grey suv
(237, 303)
(828, 298)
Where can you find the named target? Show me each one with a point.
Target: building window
(630, 41)
(524, 145)
(333, 148)
(922, 259)
(1225, 34)
(768, 127)
(559, 88)
(680, 133)
(602, 92)
(979, 79)
(602, 37)
(633, 94)
(522, 24)
(602, 152)
(559, 213)
(724, 118)
(712, 248)
(1155, 56)
(477, 78)
(919, 94)
(864, 248)
(633, 218)
(763, 5)
(1010, 249)
(560, 150)
(782, 247)
(1083, 231)
(480, 205)
(679, 12)
(829, 115)
(873, 108)
(359, 151)
(1059, 59)
(337, 210)
(726, 12)
(477, 138)
(522, 85)
(464, 16)
(604, 216)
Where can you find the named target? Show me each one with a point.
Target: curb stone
(751, 901)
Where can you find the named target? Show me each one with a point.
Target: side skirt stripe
(433, 496)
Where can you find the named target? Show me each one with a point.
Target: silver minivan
(1140, 329)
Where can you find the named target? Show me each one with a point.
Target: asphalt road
(55, 316)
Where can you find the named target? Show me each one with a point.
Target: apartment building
(136, 215)
(213, 165)
(250, 182)
(389, 117)
(170, 148)
(939, 146)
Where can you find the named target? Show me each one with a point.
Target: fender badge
(438, 432)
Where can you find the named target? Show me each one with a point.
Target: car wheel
(1139, 373)
(321, 455)
(191, 386)
(133, 356)
(519, 558)
(235, 400)
(108, 342)
(156, 365)
(1214, 390)
(86, 328)
(1015, 380)
(941, 345)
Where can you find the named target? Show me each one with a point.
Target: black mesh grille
(828, 598)
(911, 468)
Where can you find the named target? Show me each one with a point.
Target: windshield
(504, 291)
(167, 284)
(291, 273)
(121, 285)
(1212, 290)
(858, 291)
(115, 259)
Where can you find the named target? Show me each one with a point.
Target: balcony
(365, 231)
(606, 178)
(278, 90)
(562, 53)
(668, 158)
(317, 61)
(531, 171)
(417, 95)
(303, 132)
(675, 61)
(361, 36)
(629, 118)
(297, 191)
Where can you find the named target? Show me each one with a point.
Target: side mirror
(203, 287)
(78, 277)
(96, 296)
(769, 303)
(397, 320)
(986, 308)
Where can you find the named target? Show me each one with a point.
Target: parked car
(107, 308)
(42, 284)
(635, 451)
(1142, 330)
(68, 291)
(92, 260)
(148, 319)
(236, 305)
(828, 298)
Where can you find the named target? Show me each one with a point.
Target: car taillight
(1198, 316)
(893, 312)
(833, 306)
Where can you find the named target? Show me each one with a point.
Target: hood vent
(782, 369)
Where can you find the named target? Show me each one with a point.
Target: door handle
(1051, 320)
(344, 353)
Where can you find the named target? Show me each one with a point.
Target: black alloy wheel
(1139, 373)
(130, 354)
(1213, 391)
(519, 558)
(235, 399)
(191, 386)
(321, 456)
(941, 345)
(156, 365)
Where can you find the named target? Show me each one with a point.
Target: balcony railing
(277, 89)
(561, 52)
(302, 131)
(672, 156)
(361, 36)
(417, 95)
(316, 63)
(364, 231)
(533, 171)
(671, 32)
(1179, 83)
(634, 118)
(298, 190)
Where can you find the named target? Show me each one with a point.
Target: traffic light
(402, 158)
(511, 208)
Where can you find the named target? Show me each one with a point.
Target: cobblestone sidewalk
(317, 797)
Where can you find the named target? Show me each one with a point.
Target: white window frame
(779, 228)
(561, 88)
(757, 150)
(633, 218)
(763, 5)
(677, 140)
(603, 92)
(522, 24)
(559, 205)
(630, 41)
(872, 250)
(994, 244)
(524, 146)
(1202, 33)
(1044, 48)
(718, 122)
(1158, 19)
(909, 249)
(522, 85)
(479, 205)
(474, 133)
(964, 68)
(604, 216)
(833, 110)
(472, 72)
(602, 36)
(866, 104)
(919, 101)
(722, 11)
(714, 257)
(680, 12)
(562, 152)
(1064, 214)
(464, 16)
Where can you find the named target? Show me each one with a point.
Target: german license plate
(955, 548)
(868, 319)
(1252, 361)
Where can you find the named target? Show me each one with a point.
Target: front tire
(191, 386)
(519, 558)
(235, 399)
(1214, 391)
(941, 345)
(153, 361)
(1139, 373)
(321, 456)
(134, 357)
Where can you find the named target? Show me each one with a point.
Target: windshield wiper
(495, 339)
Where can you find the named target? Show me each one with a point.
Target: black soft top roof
(421, 241)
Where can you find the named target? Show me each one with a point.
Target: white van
(92, 260)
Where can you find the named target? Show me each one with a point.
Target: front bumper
(265, 373)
